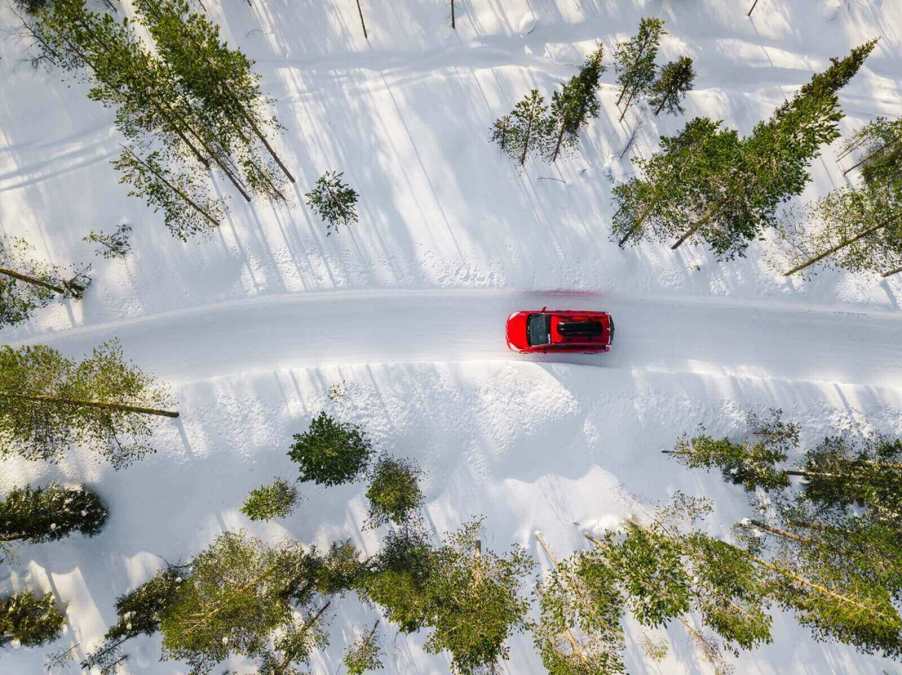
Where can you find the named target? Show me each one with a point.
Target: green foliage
(635, 59)
(527, 130)
(576, 103)
(39, 419)
(183, 198)
(266, 502)
(20, 298)
(399, 577)
(708, 184)
(113, 245)
(580, 607)
(469, 597)
(364, 654)
(830, 551)
(50, 513)
(141, 610)
(748, 464)
(334, 200)
(840, 474)
(331, 452)
(674, 80)
(29, 620)
(241, 598)
(394, 493)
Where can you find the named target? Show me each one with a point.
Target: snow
(397, 322)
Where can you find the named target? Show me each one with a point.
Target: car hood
(516, 330)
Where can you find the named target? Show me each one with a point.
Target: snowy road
(768, 340)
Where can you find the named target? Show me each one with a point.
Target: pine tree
(27, 285)
(187, 207)
(529, 131)
(398, 578)
(221, 80)
(331, 452)
(732, 189)
(576, 103)
(635, 60)
(276, 500)
(473, 600)
(880, 145)
(51, 403)
(394, 493)
(697, 165)
(334, 200)
(674, 80)
(832, 550)
(365, 654)
(113, 245)
(244, 598)
(49, 513)
(861, 227)
(29, 620)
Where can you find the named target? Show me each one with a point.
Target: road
(698, 335)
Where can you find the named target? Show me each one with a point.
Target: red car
(561, 330)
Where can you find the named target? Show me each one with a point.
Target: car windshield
(538, 329)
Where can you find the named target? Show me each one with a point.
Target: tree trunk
(891, 272)
(557, 146)
(661, 107)
(866, 158)
(840, 245)
(32, 280)
(568, 633)
(635, 228)
(752, 8)
(695, 228)
(90, 404)
(622, 94)
(172, 187)
(627, 106)
(526, 143)
(362, 22)
(776, 531)
(453, 23)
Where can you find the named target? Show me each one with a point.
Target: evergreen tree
(364, 655)
(49, 513)
(733, 189)
(861, 231)
(470, 598)
(334, 200)
(331, 452)
(698, 165)
(394, 493)
(880, 145)
(267, 502)
(27, 285)
(635, 60)
(398, 579)
(674, 80)
(113, 245)
(245, 598)
(221, 80)
(527, 130)
(51, 403)
(861, 227)
(185, 201)
(832, 550)
(576, 103)
(29, 620)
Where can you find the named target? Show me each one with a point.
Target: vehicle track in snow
(764, 339)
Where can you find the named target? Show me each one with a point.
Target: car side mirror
(544, 308)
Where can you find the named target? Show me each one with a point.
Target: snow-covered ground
(405, 310)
